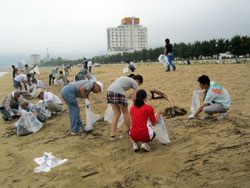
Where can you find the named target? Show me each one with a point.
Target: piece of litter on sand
(90, 174)
(47, 162)
(174, 111)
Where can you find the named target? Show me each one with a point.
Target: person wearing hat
(9, 105)
(51, 101)
(79, 89)
(35, 109)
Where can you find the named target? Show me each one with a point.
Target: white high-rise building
(34, 59)
(127, 37)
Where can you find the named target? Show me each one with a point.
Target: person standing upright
(89, 65)
(168, 51)
(14, 72)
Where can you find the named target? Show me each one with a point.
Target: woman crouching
(140, 113)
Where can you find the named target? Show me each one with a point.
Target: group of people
(216, 100)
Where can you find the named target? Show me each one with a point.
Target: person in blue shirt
(216, 99)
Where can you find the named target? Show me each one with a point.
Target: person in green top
(52, 75)
(216, 99)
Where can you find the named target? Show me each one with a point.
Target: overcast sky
(78, 27)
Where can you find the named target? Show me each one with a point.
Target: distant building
(34, 59)
(127, 37)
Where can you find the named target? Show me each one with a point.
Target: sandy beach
(207, 153)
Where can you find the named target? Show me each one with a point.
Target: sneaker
(135, 147)
(116, 137)
(76, 133)
(145, 146)
(174, 68)
(207, 116)
(221, 116)
(167, 70)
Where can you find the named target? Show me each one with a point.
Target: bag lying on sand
(163, 59)
(195, 101)
(160, 131)
(27, 124)
(109, 114)
(91, 118)
(47, 162)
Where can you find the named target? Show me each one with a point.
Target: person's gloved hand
(191, 116)
(87, 103)
(198, 92)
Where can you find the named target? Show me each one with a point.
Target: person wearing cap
(35, 109)
(9, 105)
(51, 101)
(52, 75)
(21, 78)
(70, 93)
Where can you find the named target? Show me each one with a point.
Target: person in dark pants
(52, 75)
(14, 72)
(169, 53)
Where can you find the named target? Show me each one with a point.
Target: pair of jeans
(69, 95)
(90, 67)
(6, 114)
(170, 57)
(51, 77)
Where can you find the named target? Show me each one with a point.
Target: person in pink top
(140, 113)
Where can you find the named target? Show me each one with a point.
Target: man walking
(169, 53)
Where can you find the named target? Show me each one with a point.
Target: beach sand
(207, 153)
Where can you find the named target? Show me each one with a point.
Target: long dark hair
(136, 77)
(140, 95)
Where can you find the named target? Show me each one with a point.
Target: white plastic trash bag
(91, 118)
(56, 83)
(28, 123)
(109, 114)
(125, 70)
(47, 162)
(163, 59)
(35, 70)
(42, 105)
(160, 131)
(195, 101)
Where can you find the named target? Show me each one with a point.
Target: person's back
(140, 116)
(217, 94)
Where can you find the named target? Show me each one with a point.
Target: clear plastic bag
(195, 101)
(28, 123)
(161, 131)
(163, 59)
(125, 70)
(91, 118)
(42, 105)
(109, 114)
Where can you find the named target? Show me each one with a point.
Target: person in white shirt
(21, 78)
(38, 83)
(131, 66)
(89, 65)
(51, 101)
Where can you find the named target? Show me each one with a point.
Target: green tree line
(237, 45)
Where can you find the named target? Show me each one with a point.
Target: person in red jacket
(140, 114)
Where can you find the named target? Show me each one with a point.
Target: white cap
(101, 85)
